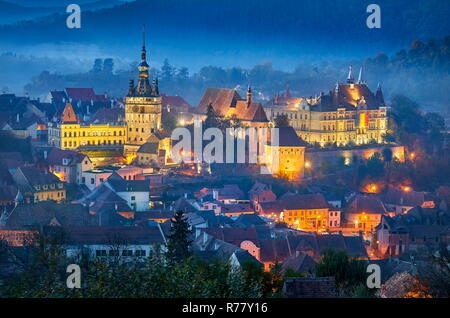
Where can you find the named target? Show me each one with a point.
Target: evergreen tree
(282, 121)
(178, 240)
(183, 74)
(167, 71)
(98, 65)
(108, 65)
(212, 119)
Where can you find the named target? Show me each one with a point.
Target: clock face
(135, 108)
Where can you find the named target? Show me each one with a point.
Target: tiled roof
(300, 263)
(58, 96)
(42, 213)
(406, 198)
(38, 177)
(108, 115)
(176, 101)
(228, 103)
(84, 94)
(347, 96)
(234, 235)
(7, 193)
(305, 201)
(248, 220)
(56, 156)
(352, 245)
(274, 250)
(236, 208)
(68, 115)
(122, 235)
(363, 203)
(287, 137)
(271, 207)
(129, 185)
(149, 148)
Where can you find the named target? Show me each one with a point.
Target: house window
(113, 253)
(92, 181)
(83, 180)
(140, 253)
(133, 198)
(127, 253)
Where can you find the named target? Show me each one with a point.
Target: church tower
(142, 107)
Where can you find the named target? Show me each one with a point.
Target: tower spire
(249, 95)
(379, 95)
(360, 75)
(350, 78)
(143, 85)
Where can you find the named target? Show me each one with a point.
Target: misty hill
(289, 27)
(421, 72)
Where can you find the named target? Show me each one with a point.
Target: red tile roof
(84, 95)
(228, 103)
(304, 201)
(68, 115)
(174, 101)
(365, 203)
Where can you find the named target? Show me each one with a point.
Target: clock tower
(142, 107)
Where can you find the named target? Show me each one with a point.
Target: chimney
(215, 194)
(185, 195)
(45, 154)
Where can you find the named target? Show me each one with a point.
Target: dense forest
(421, 72)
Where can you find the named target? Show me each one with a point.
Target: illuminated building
(308, 212)
(36, 185)
(229, 104)
(71, 132)
(290, 154)
(143, 108)
(68, 165)
(364, 212)
(351, 113)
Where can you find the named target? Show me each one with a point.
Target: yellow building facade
(69, 133)
(286, 157)
(349, 114)
(307, 212)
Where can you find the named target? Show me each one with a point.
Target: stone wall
(334, 156)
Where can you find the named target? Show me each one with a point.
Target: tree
(178, 241)
(348, 273)
(108, 65)
(167, 71)
(212, 119)
(183, 73)
(387, 155)
(281, 121)
(375, 166)
(98, 65)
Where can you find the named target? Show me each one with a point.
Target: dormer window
(38, 187)
(45, 187)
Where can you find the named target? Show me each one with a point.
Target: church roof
(349, 96)
(68, 115)
(289, 138)
(228, 103)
